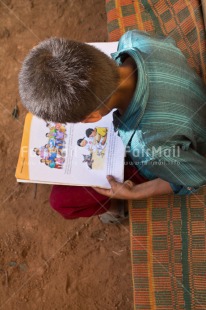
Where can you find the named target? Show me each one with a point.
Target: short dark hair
(88, 132)
(79, 142)
(64, 81)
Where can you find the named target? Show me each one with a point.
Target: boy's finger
(110, 178)
(112, 181)
(102, 191)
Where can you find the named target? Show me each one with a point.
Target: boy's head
(65, 81)
(82, 142)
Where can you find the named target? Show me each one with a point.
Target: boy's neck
(127, 85)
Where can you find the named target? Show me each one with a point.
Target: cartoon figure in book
(98, 133)
(60, 127)
(87, 143)
(42, 152)
(88, 160)
(59, 160)
(56, 134)
(52, 153)
(99, 136)
(95, 144)
(59, 144)
(53, 164)
(56, 126)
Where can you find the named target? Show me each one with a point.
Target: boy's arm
(128, 190)
(184, 167)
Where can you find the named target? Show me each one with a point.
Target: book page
(106, 47)
(73, 154)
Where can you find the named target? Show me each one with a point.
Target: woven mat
(204, 11)
(168, 233)
(180, 19)
(168, 248)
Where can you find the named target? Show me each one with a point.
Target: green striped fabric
(165, 123)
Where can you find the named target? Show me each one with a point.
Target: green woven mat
(168, 248)
(180, 19)
(168, 233)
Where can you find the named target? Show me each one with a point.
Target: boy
(160, 116)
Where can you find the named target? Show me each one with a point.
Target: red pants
(77, 201)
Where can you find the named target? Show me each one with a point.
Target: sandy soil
(47, 262)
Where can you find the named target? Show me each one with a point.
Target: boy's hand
(128, 190)
(118, 190)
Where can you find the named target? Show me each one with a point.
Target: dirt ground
(47, 262)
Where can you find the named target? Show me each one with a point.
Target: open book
(72, 154)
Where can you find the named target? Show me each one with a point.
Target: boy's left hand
(129, 190)
(118, 190)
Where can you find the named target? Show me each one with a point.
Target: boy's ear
(93, 117)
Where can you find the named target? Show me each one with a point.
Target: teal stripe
(167, 115)
(185, 263)
(168, 123)
(175, 106)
